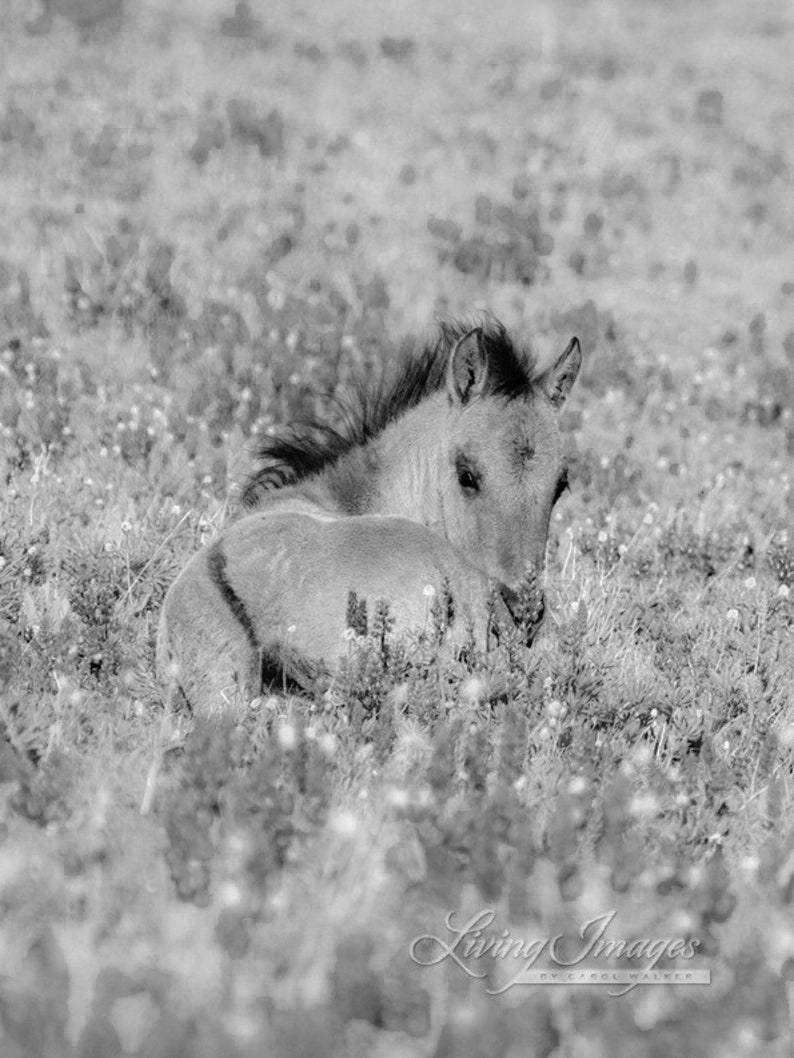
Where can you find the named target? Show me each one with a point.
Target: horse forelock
(311, 447)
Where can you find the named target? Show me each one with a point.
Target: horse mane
(312, 445)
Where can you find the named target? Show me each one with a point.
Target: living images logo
(595, 957)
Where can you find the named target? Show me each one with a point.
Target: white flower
(398, 797)
(784, 591)
(732, 616)
(642, 756)
(473, 689)
(287, 736)
(344, 823)
(644, 805)
(750, 583)
(229, 894)
(327, 743)
(428, 591)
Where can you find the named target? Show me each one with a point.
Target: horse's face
(505, 467)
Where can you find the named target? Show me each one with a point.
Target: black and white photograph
(396, 529)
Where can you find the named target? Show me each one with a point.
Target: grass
(212, 223)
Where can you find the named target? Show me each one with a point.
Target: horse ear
(556, 381)
(467, 369)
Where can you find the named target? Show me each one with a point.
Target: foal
(449, 474)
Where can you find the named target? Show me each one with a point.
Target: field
(212, 221)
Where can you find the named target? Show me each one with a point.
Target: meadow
(213, 218)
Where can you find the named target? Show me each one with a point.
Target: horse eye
(467, 480)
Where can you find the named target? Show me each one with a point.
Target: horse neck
(396, 474)
(408, 458)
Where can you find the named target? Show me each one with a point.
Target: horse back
(292, 574)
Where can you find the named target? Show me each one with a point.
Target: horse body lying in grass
(447, 475)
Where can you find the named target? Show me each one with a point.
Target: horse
(445, 474)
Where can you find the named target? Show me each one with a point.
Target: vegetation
(215, 218)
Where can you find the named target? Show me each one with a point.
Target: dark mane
(308, 447)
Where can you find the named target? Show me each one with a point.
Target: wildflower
(398, 797)
(554, 708)
(644, 805)
(348, 634)
(229, 894)
(126, 527)
(577, 787)
(749, 865)
(648, 519)
(344, 823)
(784, 591)
(327, 743)
(750, 583)
(428, 591)
(602, 537)
(291, 630)
(473, 689)
(642, 756)
(732, 616)
(287, 736)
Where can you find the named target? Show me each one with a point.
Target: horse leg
(286, 667)
(206, 651)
